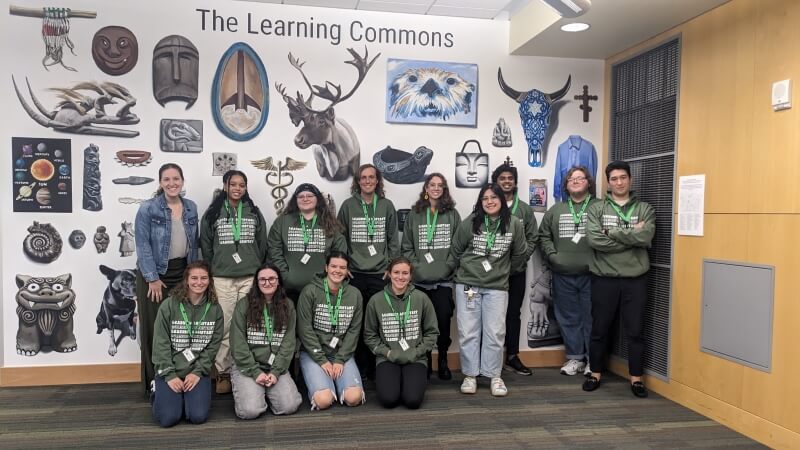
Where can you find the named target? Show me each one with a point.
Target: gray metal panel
(736, 316)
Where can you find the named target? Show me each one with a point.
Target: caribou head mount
(534, 112)
(333, 141)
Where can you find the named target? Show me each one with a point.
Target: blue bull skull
(534, 112)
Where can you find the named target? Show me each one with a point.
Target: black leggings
(406, 383)
(442, 299)
(368, 284)
(516, 296)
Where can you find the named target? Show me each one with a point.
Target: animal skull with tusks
(534, 112)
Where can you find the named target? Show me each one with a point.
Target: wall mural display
(42, 175)
(223, 162)
(430, 92)
(543, 329)
(279, 177)
(126, 240)
(585, 98)
(501, 135)
(43, 243)
(115, 50)
(117, 308)
(472, 169)
(77, 239)
(184, 136)
(534, 112)
(333, 142)
(133, 158)
(55, 30)
(133, 180)
(92, 195)
(82, 107)
(45, 307)
(101, 239)
(176, 67)
(538, 194)
(400, 167)
(240, 93)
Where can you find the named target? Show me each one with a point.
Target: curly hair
(327, 217)
(446, 203)
(277, 308)
(356, 189)
(213, 211)
(181, 290)
(479, 213)
(586, 174)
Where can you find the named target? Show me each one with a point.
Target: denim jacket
(153, 231)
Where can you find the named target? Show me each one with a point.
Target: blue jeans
(572, 302)
(317, 380)
(169, 406)
(481, 330)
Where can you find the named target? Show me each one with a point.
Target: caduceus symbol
(279, 177)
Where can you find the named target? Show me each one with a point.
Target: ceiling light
(574, 27)
(569, 8)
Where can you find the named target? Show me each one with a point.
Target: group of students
(343, 291)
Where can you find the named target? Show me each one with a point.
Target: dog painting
(118, 307)
(428, 92)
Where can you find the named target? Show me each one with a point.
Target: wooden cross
(508, 161)
(584, 98)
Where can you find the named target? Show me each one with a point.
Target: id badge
(271, 359)
(470, 302)
(577, 237)
(403, 344)
(334, 342)
(188, 354)
(237, 258)
(486, 265)
(372, 251)
(429, 257)
(305, 258)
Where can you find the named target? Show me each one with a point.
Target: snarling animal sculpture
(534, 112)
(78, 112)
(430, 92)
(45, 306)
(335, 145)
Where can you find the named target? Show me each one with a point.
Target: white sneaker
(587, 372)
(572, 367)
(469, 385)
(499, 388)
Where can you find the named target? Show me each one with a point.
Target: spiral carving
(43, 243)
(26, 315)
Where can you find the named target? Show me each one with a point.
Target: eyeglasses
(576, 179)
(270, 280)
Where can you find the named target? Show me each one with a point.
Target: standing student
(620, 230)
(400, 329)
(562, 238)
(329, 316)
(301, 236)
(186, 337)
(506, 177)
(427, 236)
(233, 237)
(486, 245)
(166, 242)
(262, 344)
(370, 223)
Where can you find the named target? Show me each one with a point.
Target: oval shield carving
(240, 93)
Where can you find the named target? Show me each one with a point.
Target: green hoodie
(216, 241)
(623, 251)
(555, 238)
(287, 248)
(251, 348)
(469, 252)
(170, 338)
(385, 240)
(415, 245)
(314, 324)
(382, 331)
(524, 213)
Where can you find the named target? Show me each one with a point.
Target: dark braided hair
(213, 211)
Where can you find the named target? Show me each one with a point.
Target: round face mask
(115, 50)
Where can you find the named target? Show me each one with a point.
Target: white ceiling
(476, 9)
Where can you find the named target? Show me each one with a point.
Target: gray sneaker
(572, 367)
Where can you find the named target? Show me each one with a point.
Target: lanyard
(431, 228)
(490, 235)
(402, 323)
(515, 205)
(370, 220)
(188, 324)
(268, 327)
(333, 313)
(577, 218)
(306, 230)
(237, 223)
(625, 217)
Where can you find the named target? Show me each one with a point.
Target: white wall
(475, 41)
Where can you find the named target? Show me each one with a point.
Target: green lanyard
(515, 205)
(370, 220)
(306, 232)
(625, 217)
(237, 223)
(402, 323)
(431, 228)
(268, 327)
(577, 218)
(188, 324)
(490, 235)
(333, 313)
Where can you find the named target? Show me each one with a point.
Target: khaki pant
(229, 291)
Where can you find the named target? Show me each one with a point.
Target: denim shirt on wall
(153, 229)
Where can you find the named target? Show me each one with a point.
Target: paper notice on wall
(691, 195)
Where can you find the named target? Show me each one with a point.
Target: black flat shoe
(638, 389)
(591, 384)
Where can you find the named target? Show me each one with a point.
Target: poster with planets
(42, 178)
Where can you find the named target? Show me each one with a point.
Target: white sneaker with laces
(572, 367)
(498, 387)
(469, 385)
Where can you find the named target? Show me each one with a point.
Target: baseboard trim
(62, 375)
(531, 358)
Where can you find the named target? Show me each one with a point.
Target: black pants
(516, 295)
(629, 296)
(406, 383)
(442, 299)
(369, 285)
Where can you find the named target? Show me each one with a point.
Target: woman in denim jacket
(166, 242)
